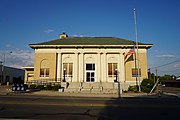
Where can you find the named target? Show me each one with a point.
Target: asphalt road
(74, 108)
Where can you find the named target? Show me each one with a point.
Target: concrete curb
(100, 95)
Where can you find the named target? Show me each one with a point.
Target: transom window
(112, 67)
(90, 66)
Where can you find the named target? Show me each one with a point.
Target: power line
(165, 64)
(169, 70)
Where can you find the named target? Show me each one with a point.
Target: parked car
(178, 78)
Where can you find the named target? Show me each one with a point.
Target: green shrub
(40, 87)
(133, 88)
(147, 85)
(56, 87)
(32, 86)
(48, 87)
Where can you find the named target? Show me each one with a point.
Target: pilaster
(59, 67)
(81, 67)
(76, 67)
(122, 70)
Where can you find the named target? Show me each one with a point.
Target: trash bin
(14, 87)
(18, 87)
(22, 88)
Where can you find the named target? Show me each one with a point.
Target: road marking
(53, 104)
(88, 104)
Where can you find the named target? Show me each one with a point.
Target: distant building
(88, 60)
(10, 75)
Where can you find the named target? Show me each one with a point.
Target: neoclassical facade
(89, 59)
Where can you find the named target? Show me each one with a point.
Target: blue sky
(24, 22)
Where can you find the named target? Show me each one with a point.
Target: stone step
(91, 87)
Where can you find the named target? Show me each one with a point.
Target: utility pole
(149, 71)
(156, 74)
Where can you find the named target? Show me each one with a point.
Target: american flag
(130, 52)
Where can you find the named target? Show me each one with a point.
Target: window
(90, 72)
(90, 66)
(44, 68)
(112, 69)
(135, 72)
(44, 72)
(68, 69)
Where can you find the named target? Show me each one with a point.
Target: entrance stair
(89, 87)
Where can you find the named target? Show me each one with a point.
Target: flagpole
(136, 67)
(136, 55)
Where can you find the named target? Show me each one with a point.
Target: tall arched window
(112, 67)
(68, 69)
(44, 69)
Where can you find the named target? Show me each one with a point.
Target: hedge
(45, 87)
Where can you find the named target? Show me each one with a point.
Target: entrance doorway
(90, 72)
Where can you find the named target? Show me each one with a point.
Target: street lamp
(118, 84)
(116, 75)
(64, 75)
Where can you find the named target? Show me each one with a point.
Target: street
(68, 108)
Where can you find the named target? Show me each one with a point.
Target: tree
(167, 77)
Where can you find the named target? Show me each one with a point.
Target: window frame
(69, 69)
(44, 72)
(90, 69)
(135, 72)
(113, 67)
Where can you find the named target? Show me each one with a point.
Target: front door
(90, 72)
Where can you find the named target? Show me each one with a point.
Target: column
(104, 67)
(59, 67)
(122, 70)
(26, 76)
(81, 67)
(76, 67)
(99, 68)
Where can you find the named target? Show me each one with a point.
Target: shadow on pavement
(151, 107)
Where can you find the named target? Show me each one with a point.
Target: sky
(24, 22)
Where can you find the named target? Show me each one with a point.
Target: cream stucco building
(89, 60)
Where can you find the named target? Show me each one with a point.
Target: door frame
(90, 71)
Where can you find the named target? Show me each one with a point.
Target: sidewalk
(5, 90)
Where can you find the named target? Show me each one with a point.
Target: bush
(40, 87)
(32, 86)
(48, 87)
(133, 88)
(56, 87)
(147, 85)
